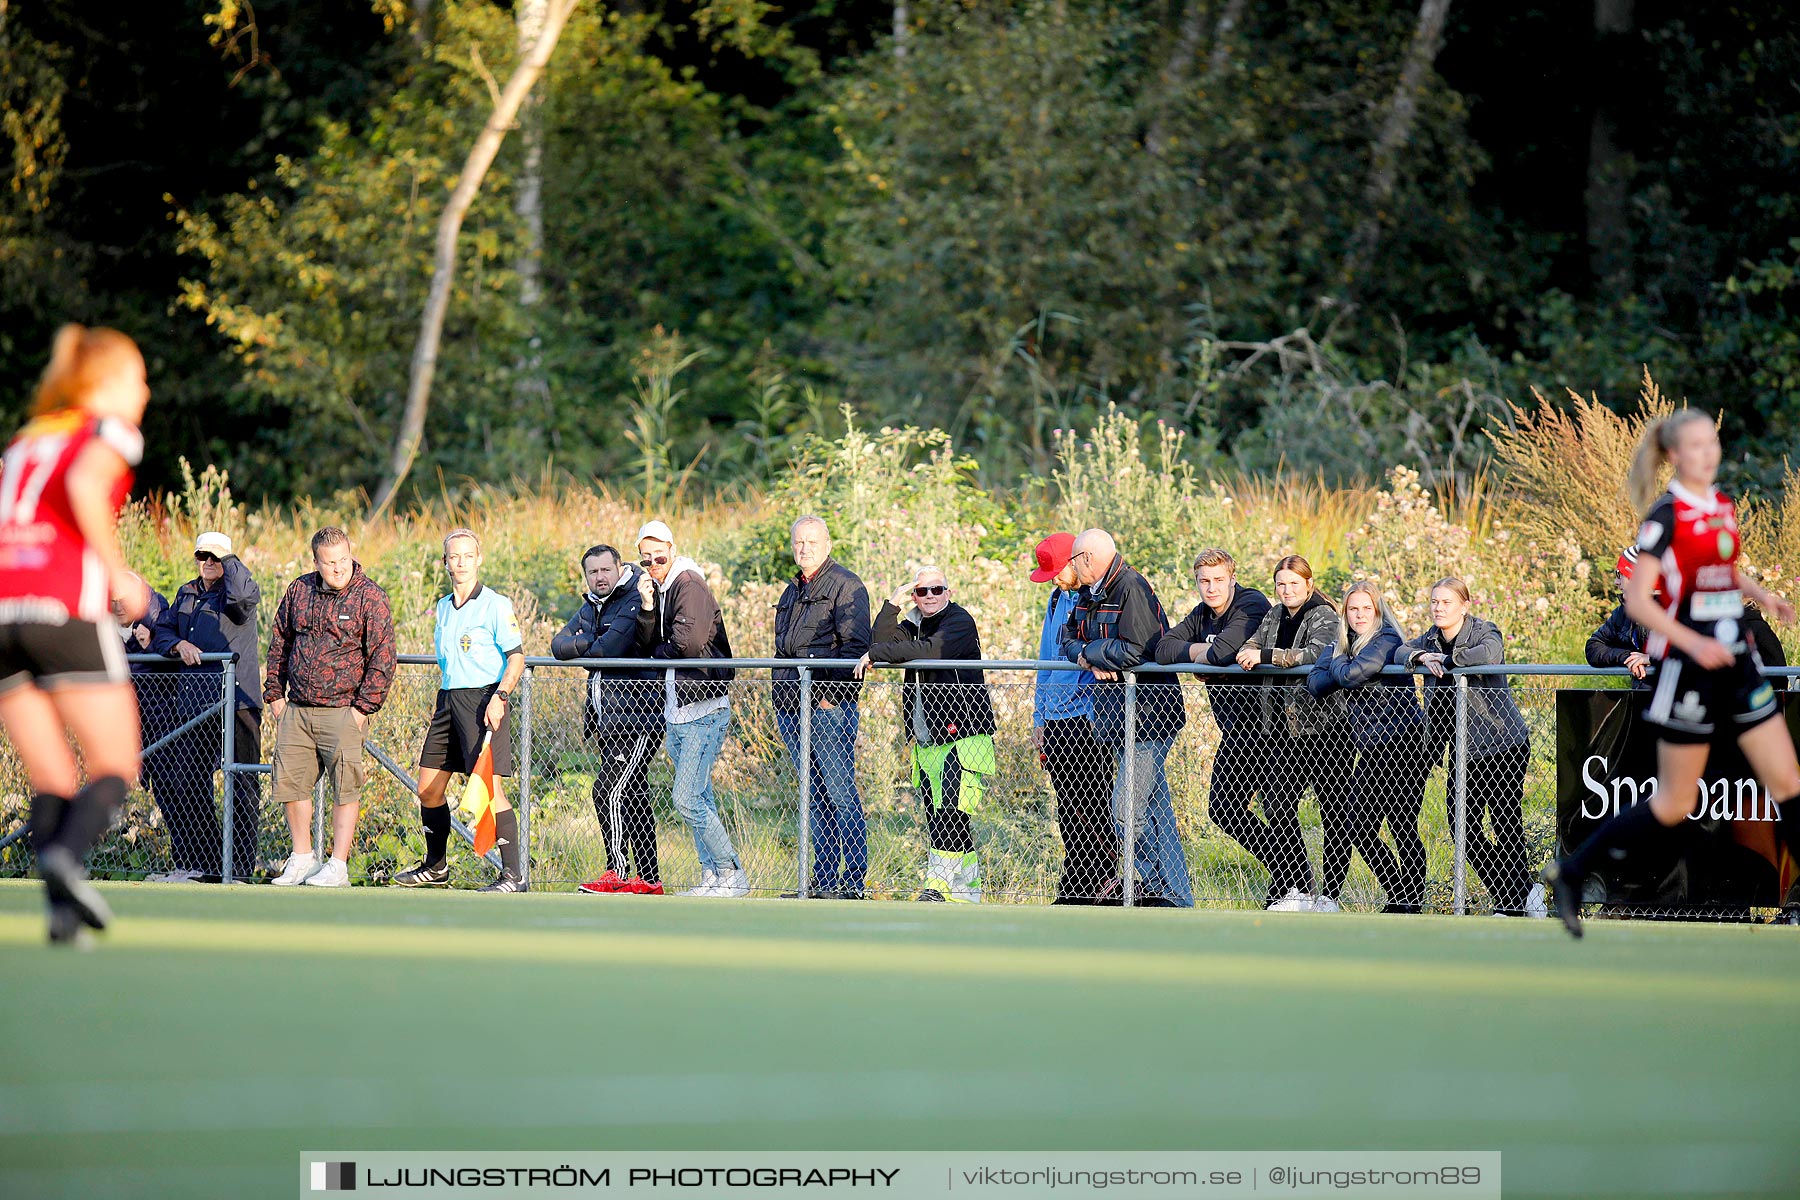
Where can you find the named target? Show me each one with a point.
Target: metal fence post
(525, 775)
(805, 767)
(1128, 843)
(320, 824)
(227, 761)
(1460, 801)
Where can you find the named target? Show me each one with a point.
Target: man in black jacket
(623, 716)
(949, 718)
(1619, 642)
(213, 613)
(824, 613)
(1228, 613)
(1116, 625)
(678, 619)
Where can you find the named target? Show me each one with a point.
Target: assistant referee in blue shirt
(482, 658)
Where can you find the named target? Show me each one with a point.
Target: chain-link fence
(1230, 790)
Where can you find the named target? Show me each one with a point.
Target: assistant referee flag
(478, 797)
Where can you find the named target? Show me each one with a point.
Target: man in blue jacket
(1080, 765)
(213, 613)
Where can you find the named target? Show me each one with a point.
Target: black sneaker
(508, 882)
(425, 875)
(67, 882)
(66, 929)
(1565, 892)
(932, 894)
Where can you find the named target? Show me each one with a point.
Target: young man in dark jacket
(678, 619)
(1227, 615)
(824, 613)
(623, 716)
(213, 613)
(948, 717)
(1116, 626)
(331, 661)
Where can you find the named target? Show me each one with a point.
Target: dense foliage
(996, 222)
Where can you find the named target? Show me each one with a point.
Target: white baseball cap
(213, 543)
(656, 531)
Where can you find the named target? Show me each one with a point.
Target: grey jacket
(1287, 710)
(1494, 720)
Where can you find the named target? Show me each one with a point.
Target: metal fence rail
(1229, 790)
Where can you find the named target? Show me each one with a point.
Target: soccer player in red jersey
(62, 669)
(1687, 592)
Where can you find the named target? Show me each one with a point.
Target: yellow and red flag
(478, 797)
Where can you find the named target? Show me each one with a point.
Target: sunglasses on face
(654, 560)
(203, 556)
(935, 589)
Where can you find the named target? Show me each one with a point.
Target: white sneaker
(1535, 905)
(708, 881)
(332, 874)
(732, 884)
(1295, 901)
(297, 869)
(1325, 904)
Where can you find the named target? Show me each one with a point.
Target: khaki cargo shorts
(311, 742)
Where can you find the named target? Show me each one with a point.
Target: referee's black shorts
(54, 656)
(453, 740)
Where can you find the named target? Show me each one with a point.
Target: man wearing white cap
(678, 618)
(213, 613)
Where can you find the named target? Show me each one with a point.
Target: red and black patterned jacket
(332, 649)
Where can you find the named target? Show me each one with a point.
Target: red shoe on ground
(637, 887)
(607, 883)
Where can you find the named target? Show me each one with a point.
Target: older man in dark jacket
(214, 613)
(623, 716)
(949, 718)
(824, 613)
(1116, 626)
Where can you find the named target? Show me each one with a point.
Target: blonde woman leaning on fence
(1498, 748)
(1387, 728)
(62, 670)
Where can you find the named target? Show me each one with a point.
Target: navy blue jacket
(1223, 634)
(1116, 625)
(618, 701)
(1382, 707)
(826, 616)
(218, 620)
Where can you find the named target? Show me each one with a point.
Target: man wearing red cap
(1081, 768)
(1619, 642)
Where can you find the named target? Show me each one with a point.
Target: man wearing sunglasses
(213, 613)
(949, 719)
(678, 619)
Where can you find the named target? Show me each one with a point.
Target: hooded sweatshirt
(686, 624)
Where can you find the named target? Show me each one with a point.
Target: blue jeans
(839, 830)
(1162, 868)
(692, 748)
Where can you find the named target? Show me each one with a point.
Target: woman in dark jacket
(622, 715)
(1388, 731)
(1307, 740)
(949, 719)
(1498, 750)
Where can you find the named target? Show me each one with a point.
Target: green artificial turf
(214, 1034)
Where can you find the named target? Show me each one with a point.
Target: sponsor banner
(1606, 762)
(907, 1175)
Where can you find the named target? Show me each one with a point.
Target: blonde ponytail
(1643, 484)
(81, 359)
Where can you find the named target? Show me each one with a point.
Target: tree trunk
(437, 302)
(1396, 131)
(531, 387)
(1609, 171)
(902, 27)
(1182, 58)
(423, 29)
